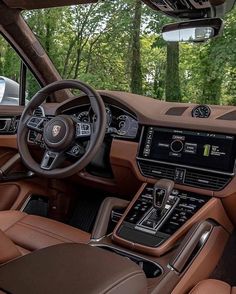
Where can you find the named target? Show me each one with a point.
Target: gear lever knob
(161, 192)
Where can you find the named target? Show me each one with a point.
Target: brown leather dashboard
(148, 112)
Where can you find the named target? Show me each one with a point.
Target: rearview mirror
(193, 31)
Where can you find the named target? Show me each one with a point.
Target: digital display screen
(192, 148)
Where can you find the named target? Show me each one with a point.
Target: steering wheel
(61, 133)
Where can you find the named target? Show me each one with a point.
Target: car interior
(113, 192)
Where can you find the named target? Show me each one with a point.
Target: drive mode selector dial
(176, 146)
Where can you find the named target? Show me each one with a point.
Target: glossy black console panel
(144, 226)
(190, 157)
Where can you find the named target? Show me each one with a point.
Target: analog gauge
(83, 117)
(127, 126)
(109, 116)
(201, 111)
(123, 125)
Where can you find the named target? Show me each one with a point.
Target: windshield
(117, 45)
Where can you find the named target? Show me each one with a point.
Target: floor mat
(225, 270)
(85, 209)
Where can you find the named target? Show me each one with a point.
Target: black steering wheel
(60, 133)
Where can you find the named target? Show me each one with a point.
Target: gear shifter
(161, 192)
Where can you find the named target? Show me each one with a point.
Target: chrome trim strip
(26, 202)
(42, 109)
(163, 219)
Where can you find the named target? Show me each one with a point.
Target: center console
(144, 225)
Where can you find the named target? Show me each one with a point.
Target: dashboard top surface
(149, 111)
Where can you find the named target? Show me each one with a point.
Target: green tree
(172, 73)
(136, 67)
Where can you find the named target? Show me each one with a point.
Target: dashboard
(193, 158)
(211, 151)
(148, 139)
(120, 123)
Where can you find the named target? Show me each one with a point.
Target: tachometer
(83, 117)
(109, 116)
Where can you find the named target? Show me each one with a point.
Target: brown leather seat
(213, 287)
(30, 232)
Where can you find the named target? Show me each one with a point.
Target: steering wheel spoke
(83, 130)
(77, 150)
(52, 159)
(36, 123)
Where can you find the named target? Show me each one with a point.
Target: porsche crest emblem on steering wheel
(56, 130)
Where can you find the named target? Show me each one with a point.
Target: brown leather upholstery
(72, 269)
(30, 232)
(8, 249)
(213, 287)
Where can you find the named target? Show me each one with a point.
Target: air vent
(178, 111)
(200, 179)
(228, 116)
(162, 5)
(206, 180)
(156, 170)
(200, 4)
(39, 111)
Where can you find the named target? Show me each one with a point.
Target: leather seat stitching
(57, 236)
(18, 220)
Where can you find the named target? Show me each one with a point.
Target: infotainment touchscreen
(192, 148)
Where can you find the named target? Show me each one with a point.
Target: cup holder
(150, 268)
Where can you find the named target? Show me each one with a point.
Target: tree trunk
(136, 69)
(212, 78)
(173, 92)
(159, 81)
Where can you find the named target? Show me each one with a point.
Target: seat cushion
(213, 287)
(72, 269)
(30, 232)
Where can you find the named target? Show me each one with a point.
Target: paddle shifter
(161, 192)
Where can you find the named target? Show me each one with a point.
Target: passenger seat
(212, 286)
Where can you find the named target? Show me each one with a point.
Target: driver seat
(30, 232)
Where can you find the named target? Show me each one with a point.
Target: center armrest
(72, 268)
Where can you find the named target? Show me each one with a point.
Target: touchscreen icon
(207, 149)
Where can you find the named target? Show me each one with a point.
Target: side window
(10, 70)
(32, 86)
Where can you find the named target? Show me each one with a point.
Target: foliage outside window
(117, 45)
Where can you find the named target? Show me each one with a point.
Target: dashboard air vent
(39, 112)
(157, 171)
(32, 134)
(200, 4)
(228, 116)
(200, 179)
(206, 180)
(178, 111)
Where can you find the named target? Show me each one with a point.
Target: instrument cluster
(120, 123)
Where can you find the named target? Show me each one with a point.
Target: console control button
(149, 223)
(180, 175)
(177, 146)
